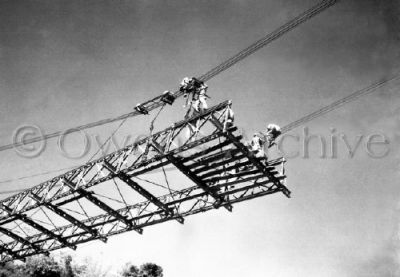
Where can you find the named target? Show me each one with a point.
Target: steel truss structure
(205, 150)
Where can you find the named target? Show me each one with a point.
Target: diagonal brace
(141, 190)
(250, 156)
(138, 188)
(39, 227)
(89, 196)
(16, 256)
(69, 218)
(185, 170)
(21, 240)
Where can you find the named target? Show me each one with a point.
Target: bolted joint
(168, 97)
(141, 109)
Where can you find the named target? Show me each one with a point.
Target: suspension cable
(320, 112)
(303, 17)
(335, 105)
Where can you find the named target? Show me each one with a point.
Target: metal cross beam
(88, 195)
(250, 156)
(21, 240)
(139, 189)
(91, 173)
(188, 202)
(222, 171)
(11, 253)
(185, 170)
(40, 228)
(204, 163)
(200, 202)
(70, 218)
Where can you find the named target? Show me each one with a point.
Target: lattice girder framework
(208, 153)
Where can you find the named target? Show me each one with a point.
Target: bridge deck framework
(218, 168)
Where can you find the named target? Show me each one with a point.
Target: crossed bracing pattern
(143, 184)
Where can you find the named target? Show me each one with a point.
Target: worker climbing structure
(217, 171)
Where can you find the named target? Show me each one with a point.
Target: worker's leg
(190, 110)
(262, 155)
(203, 102)
(255, 144)
(229, 118)
(191, 131)
(196, 105)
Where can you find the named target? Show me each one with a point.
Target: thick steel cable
(108, 139)
(337, 104)
(269, 38)
(320, 112)
(205, 77)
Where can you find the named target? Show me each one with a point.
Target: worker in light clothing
(184, 84)
(201, 92)
(273, 131)
(257, 144)
(196, 93)
(230, 118)
(260, 140)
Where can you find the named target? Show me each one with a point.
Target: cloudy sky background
(66, 63)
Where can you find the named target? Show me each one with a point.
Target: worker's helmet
(185, 81)
(274, 130)
(273, 127)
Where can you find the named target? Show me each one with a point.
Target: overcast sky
(66, 63)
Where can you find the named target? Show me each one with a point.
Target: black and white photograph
(204, 138)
